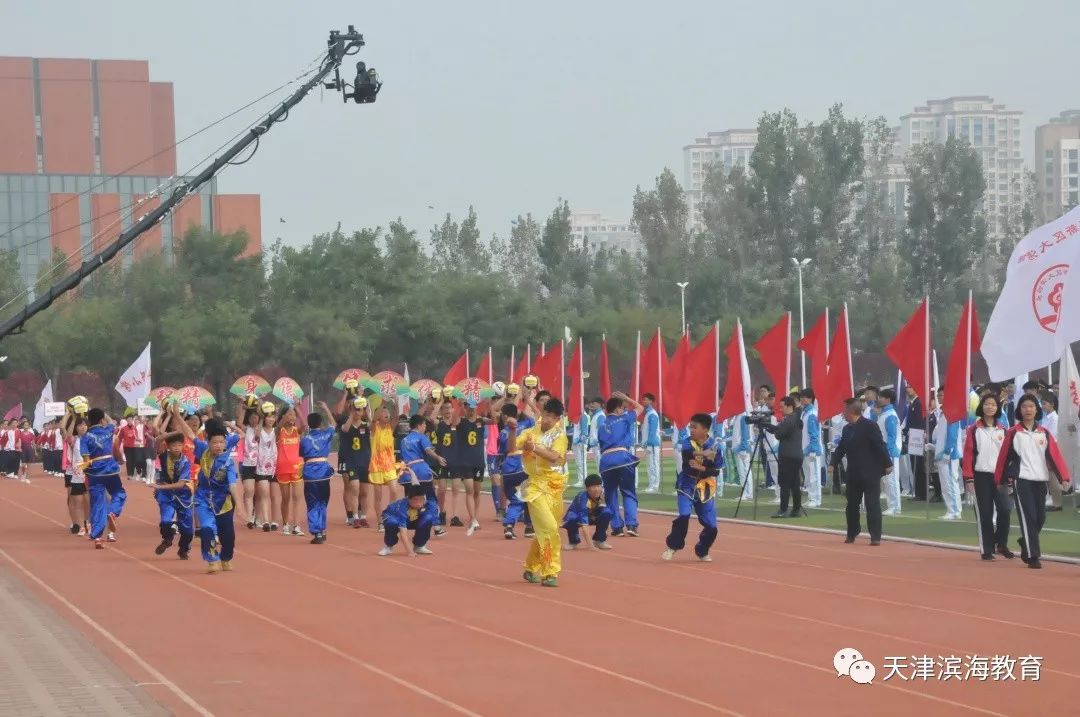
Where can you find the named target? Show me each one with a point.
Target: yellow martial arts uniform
(544, 493)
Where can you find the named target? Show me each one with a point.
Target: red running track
(300, 629)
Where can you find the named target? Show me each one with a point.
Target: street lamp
(682, 291)
(799, 266)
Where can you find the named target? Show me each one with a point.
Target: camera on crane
(366, 86)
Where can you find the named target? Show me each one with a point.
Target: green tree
(661, 217)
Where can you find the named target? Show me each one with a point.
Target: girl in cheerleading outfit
(288, 473)
(981, 449)
(78, 501)
(1028, 456)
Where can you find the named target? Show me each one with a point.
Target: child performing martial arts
(702, 457)
(588, 508)
(217, 495)
(174, 497)
(416, 512)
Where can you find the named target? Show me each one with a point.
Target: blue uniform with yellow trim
(585, 511)
(107, 494)
(213, 499)
(513, 475)
(175, 506)
(317, 472)
(618, 468)
(400, 516)
(414, 448)
(695, 489)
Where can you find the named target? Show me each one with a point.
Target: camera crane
(365, 89)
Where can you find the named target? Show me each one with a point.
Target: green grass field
(1060, 536)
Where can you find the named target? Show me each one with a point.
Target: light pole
(799, 266)
(682, 291)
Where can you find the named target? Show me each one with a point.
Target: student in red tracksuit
(1028, 455)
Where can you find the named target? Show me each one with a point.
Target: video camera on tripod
(760, 416)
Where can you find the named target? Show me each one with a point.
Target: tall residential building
(604, 233)
(992, 130)
(1057, 164)
(731, 148)
(84, 147)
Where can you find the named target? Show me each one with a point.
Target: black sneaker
(266, 528)
(440, 531)
(1005, 552)
(632, 532)
(162, 547)
(455, 522)
(319, 539)
(508, 533)
(1034, 563)
(529, 533)
(183, 555)
(849, 540)
(74, 528)
(987, 556)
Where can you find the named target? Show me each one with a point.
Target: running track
(299, 629)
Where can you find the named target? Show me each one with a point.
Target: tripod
(757, 456)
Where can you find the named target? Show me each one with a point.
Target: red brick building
(68, 125)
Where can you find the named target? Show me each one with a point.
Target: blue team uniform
(399, 516)
(618, 468)
(583, 512)
(314, 450)
(414, 448)
(213, 499)
(175, 506)
(102, 477)
(694, 491)
(513, 475)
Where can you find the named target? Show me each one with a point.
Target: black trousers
(136, 461)
(861, 489)
(988, 496)
(1030, 497)
(790, 483)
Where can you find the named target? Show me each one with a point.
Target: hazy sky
(509, 107)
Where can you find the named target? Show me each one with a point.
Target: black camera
(759, 417)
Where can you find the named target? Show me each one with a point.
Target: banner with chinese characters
(134, 384)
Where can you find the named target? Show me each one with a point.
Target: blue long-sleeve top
(581, 430)
(97, 446)
(582, 508)
(740, 435)
(718, 429)
(596, 422)
(690, 480)
(216, 474)
(414, 448)
(951, 449)
(650, 429)
(889, 424)
(616, 440)
(398, 514)
(314, 449)
(509, 459)
(181, 469)
(811, 431)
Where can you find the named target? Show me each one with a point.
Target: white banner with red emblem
(1037, 313)
(134, 385)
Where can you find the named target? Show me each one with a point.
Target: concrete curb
(830, 531)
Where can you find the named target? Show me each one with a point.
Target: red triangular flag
(699, 389)
(524, 366)
(459, 371)
(605, 371)
(958, 372)
(654, 366)
(737, 386)
(910, 350)
(838, 383)
(575, 399)
(14, 412)
(549, 370)
(815, 345)
(484, 371)
(673, 377)
(774, 352)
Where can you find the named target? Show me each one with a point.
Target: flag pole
(528, 359)
(926, 405)
(637, 369)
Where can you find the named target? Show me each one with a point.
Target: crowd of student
(269, 468)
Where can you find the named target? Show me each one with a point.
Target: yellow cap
(360, 403)
(351, 383)
(447, 392)
(268, 408)
(436, 393)
(512, 389)
(531, 381)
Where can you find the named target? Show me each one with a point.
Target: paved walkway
(48, 668)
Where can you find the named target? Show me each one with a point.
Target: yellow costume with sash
(543, 491)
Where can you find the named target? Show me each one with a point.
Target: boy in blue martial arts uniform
(174, 496)
(102, 476)
(588, 508)
(416, 449)
(694, 489)
(218, 493)
(416, 512)
(618, 463)
(513, 472)
(317, 472)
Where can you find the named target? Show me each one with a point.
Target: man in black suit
(867, 460)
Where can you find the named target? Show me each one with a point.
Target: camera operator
(790, 456)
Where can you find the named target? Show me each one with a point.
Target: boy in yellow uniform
(544, 447)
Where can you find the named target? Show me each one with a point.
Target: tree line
(380, 297)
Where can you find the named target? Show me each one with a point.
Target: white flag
(403, 401)
(134, 384)
(1068, 433)
(1032, 320)
(39, 407)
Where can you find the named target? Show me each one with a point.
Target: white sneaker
(813, 504)
(296, 530)
(571, 546)
(111, 537)
(668, 554)
(473, 527)
(704, 558)
(286, 529)
(423, 550)
(889, 512)
(385, 550)
(601, 546)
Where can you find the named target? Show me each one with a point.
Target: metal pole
(802, 327)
